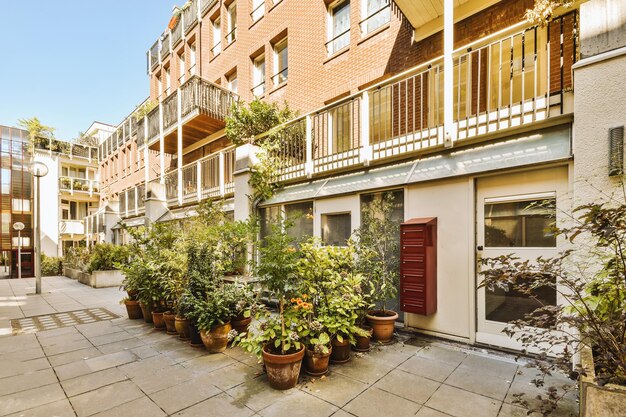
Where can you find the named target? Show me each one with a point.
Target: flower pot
(316, 364)
(158, 321)
(133, 309)
(182, 327)
(241, 323)
(146, 311)
(608, 400)
(383, 324)
(216, 340)
(282, 370)
(170, 327)
(194, 336)
(363, 342)
(340, 351)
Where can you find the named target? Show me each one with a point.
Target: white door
(514, 213)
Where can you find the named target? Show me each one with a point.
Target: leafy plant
(143, 110)
(217, 308)
(590, 281)
(543, 10)
(106, 257)
(51, 266)
(39, 133)
(377, 244)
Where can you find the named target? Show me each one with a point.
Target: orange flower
(299, 302)
(305, 296)
(293, 300)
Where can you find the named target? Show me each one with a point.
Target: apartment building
(463, 110)
(69, 192)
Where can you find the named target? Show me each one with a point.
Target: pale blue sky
(70, 62)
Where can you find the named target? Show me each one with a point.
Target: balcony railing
(499, 83)
(71, 150)
(72, 227)
(205, 97)
(165, 47)
(141, 133)
(153, 124)
(170, 110)
(177, 32)
(80, 185)
(190, 16)
(154, 54)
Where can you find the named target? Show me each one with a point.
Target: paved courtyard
(124, 367)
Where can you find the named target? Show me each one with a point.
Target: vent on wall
(616, 151)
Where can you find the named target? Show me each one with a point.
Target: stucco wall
(49, 204)
(600, 89)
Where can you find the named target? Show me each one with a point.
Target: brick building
(466, 116)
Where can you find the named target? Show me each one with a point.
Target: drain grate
(58, 320)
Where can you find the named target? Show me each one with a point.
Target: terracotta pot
(216, 340)
(363, 342)
(316, 364)
(194, 336)
(383, 324)
(133, 309)
(158, 321)
(282, 370)
(182, 327)
(341, 351)
(132, 294)
(241, 323)
(169, 319)
(147, 312)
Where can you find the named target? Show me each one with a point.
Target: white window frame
(232, 79)
(231, 35)
(182, 68)
(331, 36)
(258, 10)
(168, 81)
(280, 76)
(216, 49)
(258, 76)
(192, 59)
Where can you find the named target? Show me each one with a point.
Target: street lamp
(38, 169)
(19, 226)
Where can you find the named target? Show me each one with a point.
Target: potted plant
(246, 302)
(377, 244)
(587, 327)
(318, 350)
(276, 339)
(213, 317)
(131, 284)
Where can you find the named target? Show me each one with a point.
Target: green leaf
(277, 343)
(339, 338)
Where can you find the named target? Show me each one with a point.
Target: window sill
(229, 45)
(373, 33)
(256, 21)
(337, 54)
(278, 87)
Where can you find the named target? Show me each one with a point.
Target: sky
(72, 62)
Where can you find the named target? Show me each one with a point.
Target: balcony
(79, 186)
(68, 149)
(72, 227)
(208, 177)
(203, 110)
(500, 84)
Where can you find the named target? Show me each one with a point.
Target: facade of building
(69, 192)
(468, 116)
(16, 202)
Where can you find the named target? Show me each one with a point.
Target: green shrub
(51, 266)
(105, 256)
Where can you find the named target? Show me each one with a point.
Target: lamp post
(19, 226)
(38, 169)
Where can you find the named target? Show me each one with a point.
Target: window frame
(261, 80)
(280, 76)
(367, 18)
(330, 29)
(231, 13)
(216, 24)
(335, 214)
(254, 16)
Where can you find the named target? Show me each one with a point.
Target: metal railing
(74, 185)
(177, 32)
(166, 47)
(376, 19)
(170, 110)
(231, 36)
(72, 150)
(280, 77)
(155, 58)
(258, 11)
(205, 97)
(153, 124)
(171, 187)
(190, 16)
(338, 42)
(190, 183)
(141, 132)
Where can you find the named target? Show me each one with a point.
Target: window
(232, 82)
(280, 62)
(338, 27)
(396, 197)
(258, 9)
(375, 14)
(301, 216)
(341, 128)
(258, 76)
(269, 216)
(181, 68)
(217, 37)
(525, 223)
(168, 82)
(192, 59)
(21, 205)
(232, 23)
(336, 229)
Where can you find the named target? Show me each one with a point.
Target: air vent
(616, 151)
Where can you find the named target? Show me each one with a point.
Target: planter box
(597, 401)
(97, 279)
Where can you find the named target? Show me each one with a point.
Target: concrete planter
(97, 279)
(597, 401)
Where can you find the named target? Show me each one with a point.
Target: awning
(134, 222)
(547, 145)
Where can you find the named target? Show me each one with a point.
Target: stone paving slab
(124, 367)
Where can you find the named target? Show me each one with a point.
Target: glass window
(232, 23)
(232, 82)
(398, 202)
(336, 229)
(526, 223)
(339, 27)
(217, 37)
(269, 216)
(280, 62)
(181, 68)
(301, 215)
(258, 9)
(258, 76)
(375, 14)
(192, 59)
(21, 204)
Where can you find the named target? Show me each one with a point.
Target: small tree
(543, 11)
(38, 133)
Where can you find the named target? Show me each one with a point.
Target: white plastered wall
(342, 204)
(49, 194)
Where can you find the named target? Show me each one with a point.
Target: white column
(179, 131)
(366, 148)
(308, 166)
(161, 145)
(449, 130)
(221, 174)
(199, 179)
(146, 155)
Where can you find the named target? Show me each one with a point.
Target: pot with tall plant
(277, 337)
(213, 317)
(377, 243)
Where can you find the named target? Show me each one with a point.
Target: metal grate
(58, 320)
